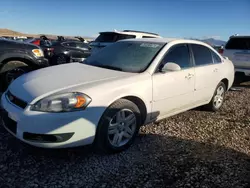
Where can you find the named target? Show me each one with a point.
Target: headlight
(38, 52)
(66, 102)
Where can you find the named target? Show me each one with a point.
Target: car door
(83, 49)
(206, 72)
(218, 68)
(174, 91)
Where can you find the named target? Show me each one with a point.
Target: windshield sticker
(149, 45)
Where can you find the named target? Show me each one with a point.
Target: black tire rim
(11, 75)
(61, 60)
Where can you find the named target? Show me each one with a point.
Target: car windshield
(126, 56)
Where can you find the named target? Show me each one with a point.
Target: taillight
(36, 42)
(50, 49)
(221, 51)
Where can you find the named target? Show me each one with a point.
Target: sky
(169, 18)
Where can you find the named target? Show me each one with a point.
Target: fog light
(49, 138)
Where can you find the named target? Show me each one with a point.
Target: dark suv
(17, 58)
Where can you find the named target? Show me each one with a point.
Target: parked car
(237, 49)
(45, 44)
(8, 37)
(77, 38)
(82, 39)
(109, 37)
(67, 51)
(17, 58)
(105, 99)
(219, 49)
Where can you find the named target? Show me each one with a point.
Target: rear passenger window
(148, 37)
(202, 55)
(69, 44)
(81, 45)
(112, 37)
(178, 54)
(121, 37)
(216, 58)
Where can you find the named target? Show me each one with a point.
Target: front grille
(8, 123)
(16, 101)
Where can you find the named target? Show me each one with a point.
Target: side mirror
(170, 67)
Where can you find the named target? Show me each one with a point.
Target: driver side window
(178, 54)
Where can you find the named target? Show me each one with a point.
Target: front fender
(106, 95)
(13, 55)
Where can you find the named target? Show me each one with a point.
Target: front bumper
(77, 59)
(78, 128)
(42, 62)
(245, 71)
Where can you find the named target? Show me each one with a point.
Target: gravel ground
(192, 149)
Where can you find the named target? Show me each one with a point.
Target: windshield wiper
(109, 67)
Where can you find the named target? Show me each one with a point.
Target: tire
(61, 59)
(239, 78)
(107, 137)
(10, 71)
(219, 97)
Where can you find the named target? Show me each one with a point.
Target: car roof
(131, 32)
(167, 40)
(240, 36)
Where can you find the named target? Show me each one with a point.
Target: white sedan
(105, 99)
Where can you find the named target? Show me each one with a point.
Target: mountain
(211, 41)
(8, 32)
(214, 42)
(11, 33)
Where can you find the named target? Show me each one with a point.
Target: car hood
(53, 79)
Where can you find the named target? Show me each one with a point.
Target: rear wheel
(62, 59)
(10, 71)
(218, 98)
(118, 127)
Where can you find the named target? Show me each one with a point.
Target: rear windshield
(238, 43)
(112, 37)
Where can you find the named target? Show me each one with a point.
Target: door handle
(189, 76)
(215, 70)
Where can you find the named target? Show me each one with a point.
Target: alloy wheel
(219, 97)
(122, 128)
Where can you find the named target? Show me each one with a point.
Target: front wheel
(218, 98)
(118, 127)
(10, 71)
(61, 59)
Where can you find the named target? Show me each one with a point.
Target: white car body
(163, 95)
(237, 50)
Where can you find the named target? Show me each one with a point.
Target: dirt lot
(193, 149)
